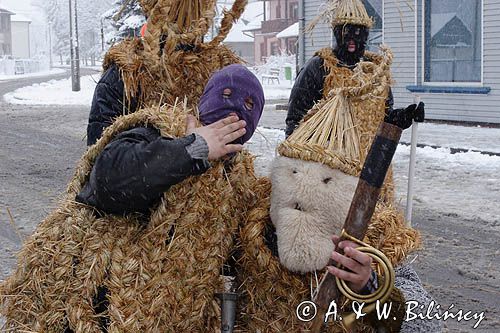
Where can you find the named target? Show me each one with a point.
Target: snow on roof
(19, 18)
(250, 19)
(236, 35)
(5, 11)
(291, 31)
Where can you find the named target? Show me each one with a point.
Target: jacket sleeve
(389, 102)
(307, 90)
(134, 170)
(408, 282)
(107, 104)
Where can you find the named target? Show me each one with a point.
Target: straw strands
(366, 88)
(172, 61)
(340, 12)
(161, 272)
(328, 136)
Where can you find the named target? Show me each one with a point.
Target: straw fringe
(366, 88)
(341, 12)
(155, 281)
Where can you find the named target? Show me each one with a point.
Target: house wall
(245, 50)
(5, 35)
(403, 33)
(20, 40)
(321, 36)
(408, 64)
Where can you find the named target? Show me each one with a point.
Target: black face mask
(346, 34)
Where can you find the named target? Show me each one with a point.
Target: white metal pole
(411, 172)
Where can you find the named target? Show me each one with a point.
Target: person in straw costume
(158, 269)
(170, 62)
(287, 241)
(335, 68)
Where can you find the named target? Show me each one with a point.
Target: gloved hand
(403, 118)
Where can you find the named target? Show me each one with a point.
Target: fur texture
(309, 203)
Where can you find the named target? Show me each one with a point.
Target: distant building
(20, 36)
(278, 16)
(5, 32)
(239, 39)
(445, 51)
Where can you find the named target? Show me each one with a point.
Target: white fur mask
(309, 203)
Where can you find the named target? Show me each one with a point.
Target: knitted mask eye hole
(294, 171)
(249, 103)
(327, 180)
(227, 93)
(357, 31)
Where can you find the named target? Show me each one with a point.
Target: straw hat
(327, 135)
(341, 12)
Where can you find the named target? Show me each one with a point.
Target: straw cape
(172, 61)
(161, 273)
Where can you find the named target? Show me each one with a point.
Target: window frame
(423, 50)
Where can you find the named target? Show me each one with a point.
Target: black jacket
(307, 90)
(109, 102)
(134, 170)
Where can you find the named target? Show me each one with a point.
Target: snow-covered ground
(451, 183)
(55, 92)
(58, 92)
(438, 171)
(277, 91)
(37, 74)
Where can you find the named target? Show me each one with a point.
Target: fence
(22, 66)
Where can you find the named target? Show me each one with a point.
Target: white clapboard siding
(322, 35)
(456, 107)
(407, 66)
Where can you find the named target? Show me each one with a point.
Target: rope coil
(381, 294)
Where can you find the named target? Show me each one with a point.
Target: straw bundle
(366, 88)
(341, 12)
(157, 70)
(328, 136)
(271, 293)
(158, 280)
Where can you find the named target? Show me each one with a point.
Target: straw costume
(171, 62)
(160, 270)
(284, 253)
(339, 68)
(313, 182)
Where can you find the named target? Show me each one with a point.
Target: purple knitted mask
(233, 89)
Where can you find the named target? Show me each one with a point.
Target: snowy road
(457, 200)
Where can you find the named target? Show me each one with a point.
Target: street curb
(423, 145)
(452, 150)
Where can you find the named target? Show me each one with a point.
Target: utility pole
(77, 48)
(75, 65)
(50, 45)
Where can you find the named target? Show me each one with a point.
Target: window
(452, 40)
(292, 45)
(275, 48)
(294, 11)
(374, 10)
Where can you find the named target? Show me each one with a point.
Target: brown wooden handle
(361, 210)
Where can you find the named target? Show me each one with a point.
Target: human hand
(403, 118)
(358, 264)
(218, 135)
